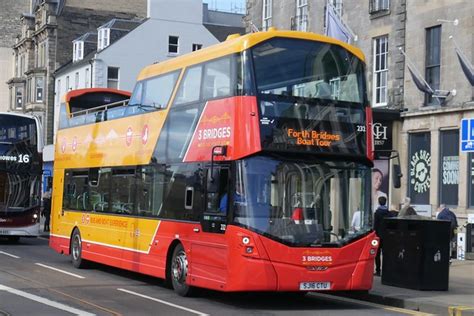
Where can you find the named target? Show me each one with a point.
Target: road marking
(9, 254)
(59, 270)
(354, 301)
(45, 301)
(163, 302)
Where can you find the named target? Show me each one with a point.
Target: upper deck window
(308, 69)
(154, 92)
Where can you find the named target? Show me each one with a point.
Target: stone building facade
(10, 25)
(45, 43)
(383, 29)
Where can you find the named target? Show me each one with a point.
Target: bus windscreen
(311, 97)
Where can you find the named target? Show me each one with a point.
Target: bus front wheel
(76, 250)
(179, 271)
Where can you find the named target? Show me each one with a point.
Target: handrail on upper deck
(100, 108)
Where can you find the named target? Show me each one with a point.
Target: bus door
(209, 247)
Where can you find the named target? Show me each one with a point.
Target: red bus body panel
(221, 261)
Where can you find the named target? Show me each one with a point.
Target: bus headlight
(35, 216)
(375, 242)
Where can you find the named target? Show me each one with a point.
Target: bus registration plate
(317, 286)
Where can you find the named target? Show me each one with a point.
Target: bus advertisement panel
(20, 176)
(238, 167)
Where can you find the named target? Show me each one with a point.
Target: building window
(113, 77)
(197, 47)
(103, 38)
(76, 81)
(433, 62)
(449, 167)
(380, 76)
(267, 14)
(19, 98)
(86, 78)
(173, 44)
(39, 88)
(78, 51)
(338, 6)
(22, 66)
(301, 15)
(379, 5)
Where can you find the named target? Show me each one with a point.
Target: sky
(227, 5)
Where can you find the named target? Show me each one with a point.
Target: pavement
(457, 301)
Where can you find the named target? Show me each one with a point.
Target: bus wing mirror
(397, 176)
(213, 178)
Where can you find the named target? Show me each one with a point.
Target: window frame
(196, 47)
(39, 90)
(113, 80)
(78, 51)
(302, 15)
(377, 87)
(103, 38)
(376, 6)
(430, 65)
(170, 45)
(267, 14)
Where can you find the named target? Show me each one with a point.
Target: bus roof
(80, 92)
(235, 44)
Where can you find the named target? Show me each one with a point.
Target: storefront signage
(449, 167)
(419, 177)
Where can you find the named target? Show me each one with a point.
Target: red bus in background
(238, 167)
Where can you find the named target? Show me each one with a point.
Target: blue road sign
(467, 135)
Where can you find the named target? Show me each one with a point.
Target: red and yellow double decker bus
(236, 168)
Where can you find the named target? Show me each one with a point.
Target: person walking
(381, 213)
(446, 214)
(46, 213)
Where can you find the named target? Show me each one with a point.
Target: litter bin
(416, 253)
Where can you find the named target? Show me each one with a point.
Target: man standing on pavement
(380, 213)
(448, 215)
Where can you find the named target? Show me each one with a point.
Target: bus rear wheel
(76, 250)
(179, 272)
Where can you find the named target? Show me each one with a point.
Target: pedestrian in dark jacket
(380, 213)
(448, 215)
(46, 213)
